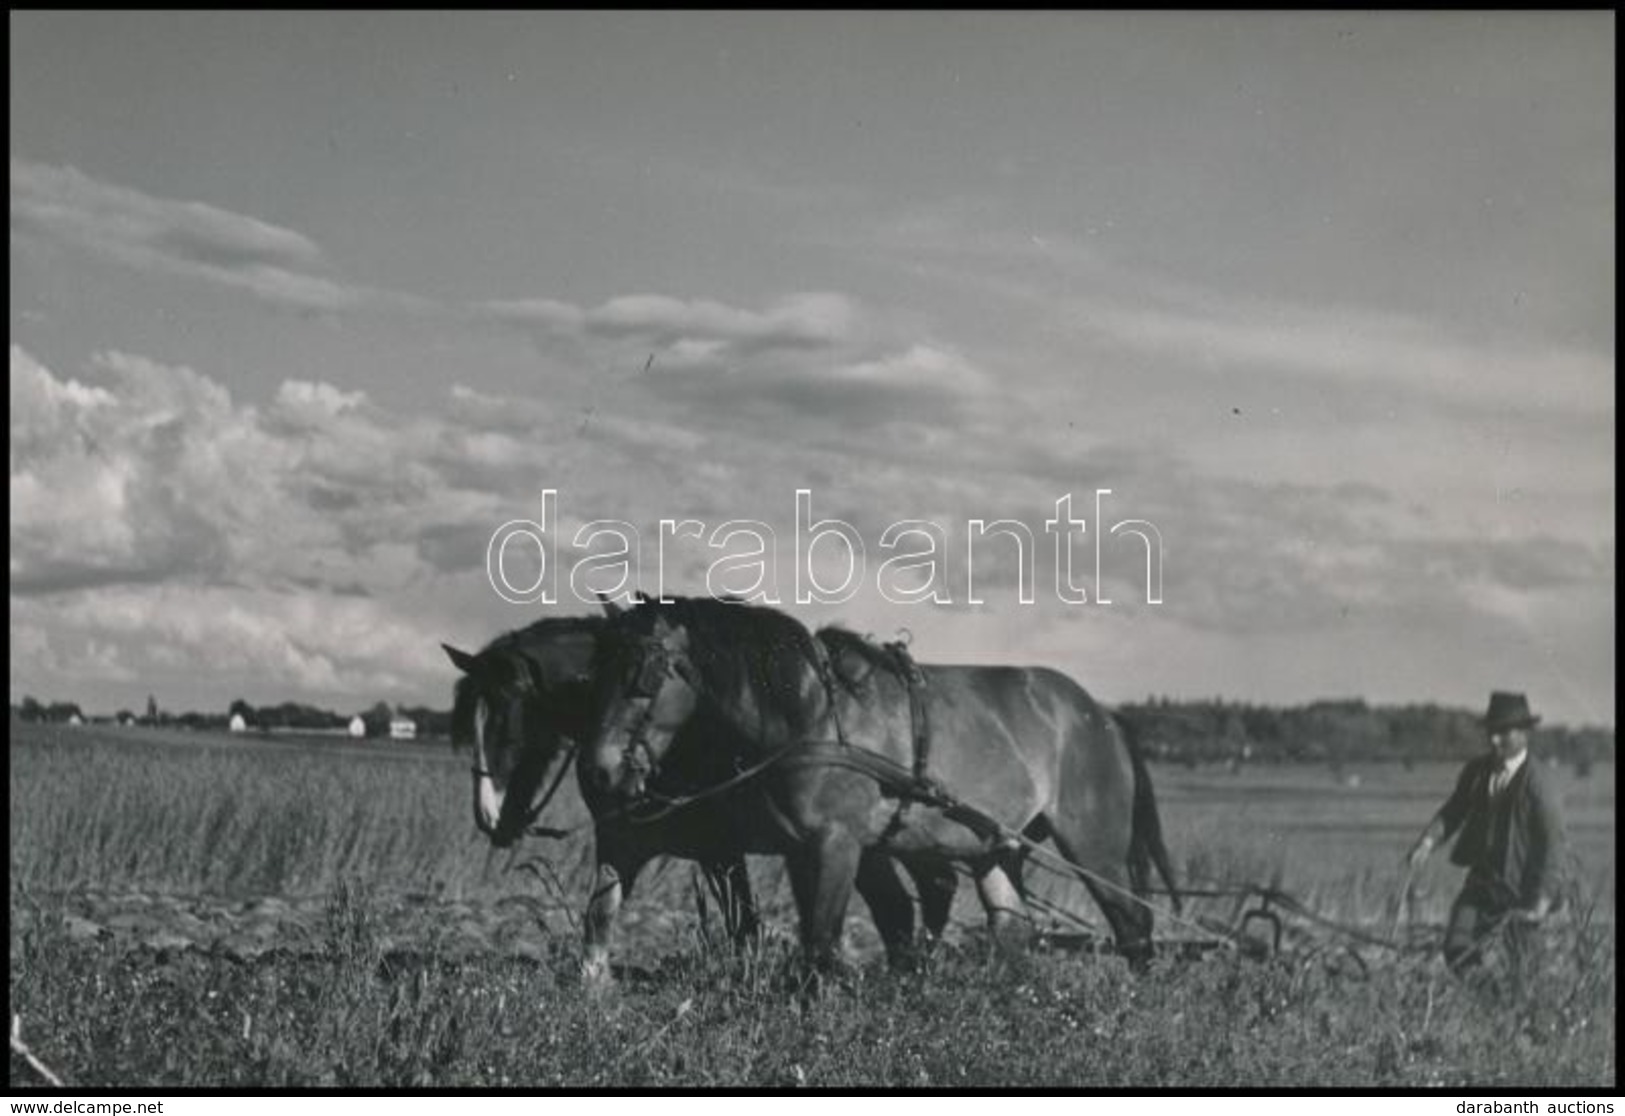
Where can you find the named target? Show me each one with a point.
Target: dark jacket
(1514, 843)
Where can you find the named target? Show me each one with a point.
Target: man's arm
(1445, 822)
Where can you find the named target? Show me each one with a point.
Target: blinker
(651, 672)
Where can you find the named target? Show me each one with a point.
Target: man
(1511, 837)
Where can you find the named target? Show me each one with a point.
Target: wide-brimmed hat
(1508, 711)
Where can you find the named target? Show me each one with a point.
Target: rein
(536, 810)
(665, 806)
(908, 785)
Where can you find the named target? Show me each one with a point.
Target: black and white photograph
(875, 551)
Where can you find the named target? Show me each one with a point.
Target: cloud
(157, 474)
(1245, 560)
(921, 368)
(1388, 356)
(162, 529)
(34, 652)
(811, 365)
(799, 321)
(314, 643)
(108, 484)
(185, 238)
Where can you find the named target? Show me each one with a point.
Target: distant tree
(430, 722)
(377, 719)
(31, 710)
(61, 712)
(242, 707)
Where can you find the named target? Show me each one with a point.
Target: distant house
(75, 719)
(402, 728)
(237, 723)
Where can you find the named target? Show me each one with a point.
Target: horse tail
(1146, 846)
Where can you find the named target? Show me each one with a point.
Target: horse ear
(611, 609)
(462, 660)
(642, 597)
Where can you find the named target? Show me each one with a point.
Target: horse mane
(890, 657)
(841, 641)
(518, 640)
(735, 646)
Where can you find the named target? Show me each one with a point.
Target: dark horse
(523, 705)
(1024, 747)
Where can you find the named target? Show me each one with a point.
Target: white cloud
(795, 321)
(304, 642)
(923, 366)
(317, 402)
(1373, 352)
(158, 474)
(185, 238)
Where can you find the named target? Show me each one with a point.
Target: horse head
(648, 688)
(749, 675)
(519, 706)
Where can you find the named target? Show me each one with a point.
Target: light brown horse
(522, 704)
(1024, 747)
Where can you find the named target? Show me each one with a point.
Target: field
(190, 910)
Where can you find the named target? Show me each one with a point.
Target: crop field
(190, 910)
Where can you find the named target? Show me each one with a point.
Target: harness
(654, 667)
(911, 784)
(896, 656)
(919, 786)
(919, 721)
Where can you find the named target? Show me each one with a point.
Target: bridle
(656, 666)
(564, 761)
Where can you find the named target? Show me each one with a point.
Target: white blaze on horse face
(487, 800)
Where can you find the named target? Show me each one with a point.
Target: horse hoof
(596, 977)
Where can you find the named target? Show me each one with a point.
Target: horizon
(305, 305)
(1374, 706)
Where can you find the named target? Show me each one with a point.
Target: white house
(237, 723)
(402, 728)
(358, 727)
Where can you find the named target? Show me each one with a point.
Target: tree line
(1188, 732)
(287, 716)
(1336, 732)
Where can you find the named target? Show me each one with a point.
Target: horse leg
(612, 883)
(1000, 899)
(935, 881)
(822, 874)
(730, 882)
(889, 904)
(1128, 915)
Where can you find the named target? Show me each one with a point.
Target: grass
(346, 1007)
(100, 811)
(348, 1015)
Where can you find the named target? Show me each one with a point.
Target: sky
(305, 306)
